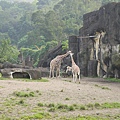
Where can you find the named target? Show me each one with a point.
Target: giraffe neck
(73, 63)
(62, 56)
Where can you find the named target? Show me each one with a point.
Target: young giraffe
(75, 69)
(56, 64)
(68, 69)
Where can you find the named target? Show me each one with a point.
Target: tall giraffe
(75, 69)
(56, 64)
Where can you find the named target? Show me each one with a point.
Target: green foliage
(108, 1)
(65, 45)
(53, 21)
(15, 19)
(8, 52)
(51, 45)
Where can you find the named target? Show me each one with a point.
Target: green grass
(51, 105)
(11, 102)
(110, 105)
(26, 80)
(48, 111)
(40, 104)
(56, 107)
(102, 87)
(39, 115)
(67, 98)
(26, 93)
(2, 78)
(112, 79)
(30, 80)
(84, 118)
(1, 87)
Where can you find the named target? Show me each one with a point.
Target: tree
(7, 51)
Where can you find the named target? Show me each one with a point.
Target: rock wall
(101, 52)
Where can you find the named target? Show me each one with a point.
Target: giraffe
(56, 64)
(68, 69)
(75, 69)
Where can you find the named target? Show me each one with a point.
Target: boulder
(21, 73)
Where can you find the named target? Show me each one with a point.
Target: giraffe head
(68, 69)
(68, 52)
(71, 54)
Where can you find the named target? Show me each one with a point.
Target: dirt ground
(90, 90)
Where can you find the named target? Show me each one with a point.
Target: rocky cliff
(98, 43)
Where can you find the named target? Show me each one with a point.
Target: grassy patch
(42, 110)
(67, 98)
(84, 118)
(2, 78)
(30, 80)
(51, 105)
(102, 87)
(1, 87)
(112, 79)
(63, 107)
(26, 93)
(13, 102)
(110, 105)
(40, 104)
(82, 107)
(39, 116)
(26, 80)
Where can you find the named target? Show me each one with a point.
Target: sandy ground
(90, 90)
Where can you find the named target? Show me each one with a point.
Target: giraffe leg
(73, 77)
(52, 73)
(59, 70)
(79, 78)
(57, 73)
